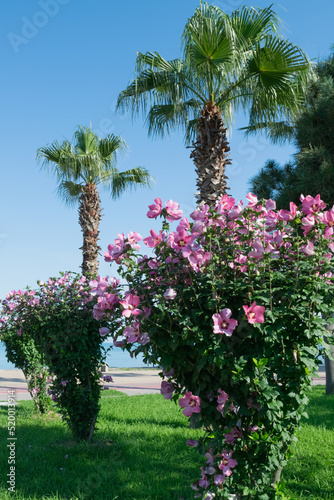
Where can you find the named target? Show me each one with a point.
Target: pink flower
(192, 443)
(227, 463)
(130, 304)
(133, 239)
(312, 205)
(328, 218)
(170, 294)
(252, 199)
(173, 211)
(219, 479)
(168, 373)
(64, 382)
(143, 338)
(254, 313)
(183, 224)
(131, 334)
(259, 250)
(190, 403)
(234, 434)
(224, 204)
(19, 331)
(235, 213)
(222, 398)
(153, 240)
(204, 482)
(307, 249)
(108, 378)
(104, 331)
(201, 214)
(166, 389)
(155, 210)
(223, 323)
(270, 205)
(182, 241)
(198, 259)
(286, 215)
(308, 223)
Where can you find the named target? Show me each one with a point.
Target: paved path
(132, 382)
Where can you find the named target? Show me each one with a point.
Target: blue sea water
(116, 358)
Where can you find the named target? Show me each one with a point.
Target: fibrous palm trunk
(210, 155)
(89, 220)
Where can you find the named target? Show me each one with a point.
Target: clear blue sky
(64, 63)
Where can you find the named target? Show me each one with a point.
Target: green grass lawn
(139, 453)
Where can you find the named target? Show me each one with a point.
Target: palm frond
(129, 179)
(85, 140)
(110, 145)
(276, 62)
(208, 39)
(277, 132)
(252, 25)
(69, 192)
(164, 118)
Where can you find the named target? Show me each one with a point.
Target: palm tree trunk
(210, 155)
(89, 220)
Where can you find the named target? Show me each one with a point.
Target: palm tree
(80, 168)
(229, 63)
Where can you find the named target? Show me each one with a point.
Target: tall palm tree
(80, 168)
(229, 63)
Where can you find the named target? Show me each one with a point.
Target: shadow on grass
(300, 481)
(320, 409)
(124, 462)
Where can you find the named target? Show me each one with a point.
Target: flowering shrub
(57, 317)
(24, 353)
(228, 305)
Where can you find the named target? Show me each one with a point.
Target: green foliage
(237, 62)
(312, 170)
(59, 322)
(26, 357)
(89, 160)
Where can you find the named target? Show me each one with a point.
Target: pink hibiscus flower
(131, 334)
(155, 209)
(154, 239)
(307, 249)
(190, 403)
(130, 304)
(312, 205)
(286, 215)
(227, 463)
(166, 389)
(173, 211)
(234, 434)
(223, 323)
(254, 313)
(221, 399)
(133, 239)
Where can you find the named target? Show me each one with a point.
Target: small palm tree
(80, 168)
(229, 63)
